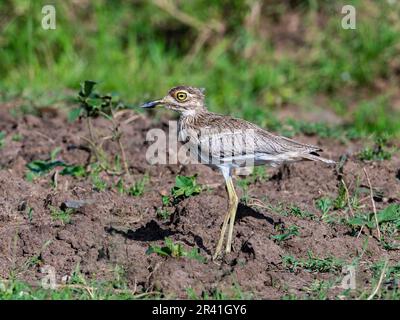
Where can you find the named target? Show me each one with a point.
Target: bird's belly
(257, 159)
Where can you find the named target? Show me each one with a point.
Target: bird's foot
(216, 256)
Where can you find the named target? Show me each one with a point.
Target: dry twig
(373, 204)
(379, 282)
(348, 198)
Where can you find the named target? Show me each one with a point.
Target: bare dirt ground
(117, 229)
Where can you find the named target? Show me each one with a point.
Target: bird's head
(183, 99)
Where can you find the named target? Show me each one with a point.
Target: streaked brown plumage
(226, 143)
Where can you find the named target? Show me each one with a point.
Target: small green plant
(377, 153)
(42, 167)
(92, 105)
(120, 281)
(244, 184)
(286, 234)
(170, 249)
(166, 200)
(385, 277)
(138, 187)
(341, 200)
(323, 264)
(135, 190)
(29, 212)
(36, 259)
(289, 296)
(2, 139)
(163, 214)
(389, 216)
(184, 187)
(257, 175)
(61, 215)
(324, 205)
(76, 287)
(98, 183)
(297, 212)
(312, 263)
(319, 289)
(17, 137)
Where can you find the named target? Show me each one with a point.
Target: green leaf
(87, 87)
(291, 231)
(74, 114)
(390, 213)
(195, 254)
(358, 221)
(182, 181)
(30, 176)
(94, 102)
(164, 251)
(2, 136)
(40, 166)
(75, 171)
(165, 200)
(54, 153)
(185, 186)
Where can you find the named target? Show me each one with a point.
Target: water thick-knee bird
(226, 143)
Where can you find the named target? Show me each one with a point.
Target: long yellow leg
(233, 204)
(221, 237)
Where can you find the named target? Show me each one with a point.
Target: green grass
(258, 174)
(76, 288)
(324, 205)
(64, 216)
(2, 139)
(312, 263)
(389, 287)
(297, 212)
(163, 214)
(17, 137)
(319, 289)
(378, 152)
(136, 189)
(170, 249)
(38, 168)
(388, 220)
(98, 183)
(149, 44)
(286, 233)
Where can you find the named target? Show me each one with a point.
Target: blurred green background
(257, 59)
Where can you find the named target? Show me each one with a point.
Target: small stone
(75, 204)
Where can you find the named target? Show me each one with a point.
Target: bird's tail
(313, 157)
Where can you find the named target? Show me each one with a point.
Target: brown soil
(117, 229)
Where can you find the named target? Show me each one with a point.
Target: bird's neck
(192, 118)
(193, 113)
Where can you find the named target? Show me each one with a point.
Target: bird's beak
(151, 104)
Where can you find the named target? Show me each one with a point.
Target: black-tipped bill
(151, 104)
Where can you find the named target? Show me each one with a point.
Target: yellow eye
(181, 96)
